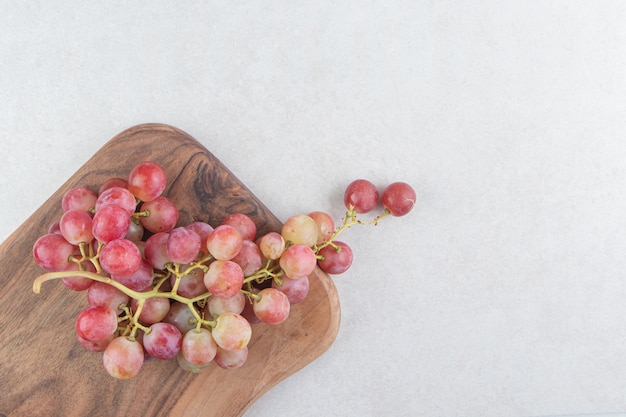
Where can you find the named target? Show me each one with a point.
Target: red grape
(117, 196)
(110, 223)
(163, 341)
(52, 252)
(101, 294)
(199, 347)
(335, 260)
(399, 198)
(78, 198)
(232, 331)
(183, 245)
(300, 229)
(361, 195)
(244, 225)
(223, 278)
(146, 181)
(224, 242)
(75, 226)
(96, 323)
(298, 261)
(325, 225)
(163, 215)
(231, 359)
(296, 290)
(120, 257)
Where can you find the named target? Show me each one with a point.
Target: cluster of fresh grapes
(156, 290)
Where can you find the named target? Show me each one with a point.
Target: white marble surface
(502, 294)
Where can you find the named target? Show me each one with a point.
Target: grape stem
(349, 220)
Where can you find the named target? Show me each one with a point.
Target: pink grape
(362, 195)
(75, 226)
(273, 306)
(155, 250)
(120, 257)
(78, 198)
(249, 258)
(232, 331)
(187, 366)
(231, 359)
(180, 316)
(225, 242)
(300, 229)
(101, 294)
(325, 225)
(399, 198)
(147, 181)
(219, 305)
(96, 323)
(244, 225)
(110, 223)
(117, 196)
(52, 252)
(163, 341)
(335, 261)
(199, 346)
(54, 228)
(135, 231)
(191, 284)
(223, 278)
(272, 245)
(78, 283)
(183, 245)
(123, 358)
(163, 215)
(298, 261)
(112, 182)
(154, 309)
(248, 312)
(296, 290)
(139, 280)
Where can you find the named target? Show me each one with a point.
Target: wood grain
(46, 373)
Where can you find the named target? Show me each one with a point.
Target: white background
(501, 294)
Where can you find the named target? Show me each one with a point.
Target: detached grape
(399, 198)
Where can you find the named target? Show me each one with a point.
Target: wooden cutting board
(46, 373)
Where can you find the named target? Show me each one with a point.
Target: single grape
(191, 284)
(231, 359)
(325, 225)
(272, 307)
(361, 195)
(101, 294)
(225, 242)
(135, 231)
(249, 258)
(96, 323)
(109, 223)
(117, 196)
(154, 309)
(272, 245)
(244, 225)
(223, 278)
(296, 290)
(120, 257)
(300, 229)
(155, 250)
(335, 260)
(75, 226)
(219, 305)
(298, 261)
(199, 347)
(147, 181)
(399, 198)
(180, 316)
(232, 331)
(78, 198)
(163, 215)
(52, 252)
(163, 341)
(183, 245)
(123, 358)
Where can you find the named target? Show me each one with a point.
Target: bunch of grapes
(157, 290)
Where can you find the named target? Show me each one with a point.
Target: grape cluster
(157, 290)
